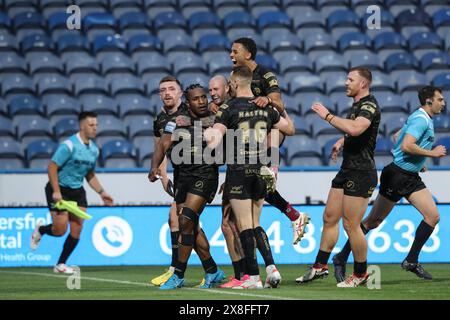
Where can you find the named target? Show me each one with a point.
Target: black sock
(423, 232)
(322, 257)
(249, 246)
(345, 252)
(180, 268)
(174, 240)
(69, 246)
(209, 265)
(262, 242)
(360, 268)
(243, 267)
(46, 230)
(276, 200)
(237, 269)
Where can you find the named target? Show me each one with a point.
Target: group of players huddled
(194, 134)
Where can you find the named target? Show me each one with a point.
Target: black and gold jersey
(163, 118)
(264, 82)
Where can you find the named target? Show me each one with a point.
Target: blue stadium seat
(99, 103)
(7, 41)
(343, 103)
(58, 20)
(188, 63)
(6, 127)
(393, 124)
(411, 81)
(445, 141)
(178, 42)
(302, 146)
(109, 128)
(98, 21)
(213, 42)
(66, 127)
(322, 131)
(220, 63)
(442, 80)
(382, 82)
(390, 102)
(386, 17)
(134, 104)
(294, 63)
(306, 83)
(10, 149)
(28, 20)
(90, 84)
(354, 40)
(5, 21)
(52, 83)
(435, 60)
(134, 20)
(120, 150)
(146, 146)
(76, 62)
(61, 104)
(140, 126)
(144, 42)
(16, 83)
(305, 19)
(3, 108)
(326, 152)
(336, 83)
(308, 99)
(152, 82)
(285, 41)
(346, 20)
(271, 19)
(72, 42)
(331, 61)
(36, 42)
(32, 126)
(169, 20)
(40, 149)
(267, 61)
(369, 60)
(124, 84)
(11, 62)
(234, 34)
(441, 18)
(190, 78)
(319, 41)
(413, 17)
(153, 62)
(400, 61)
(117, 62)
(105, 42)
(302, 127)
(44, 62)
(422, 40)
(203, 20)
(389, 40)
(238, 19)
(441, 123)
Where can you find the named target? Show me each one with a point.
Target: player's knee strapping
(190, 214)
(188, 237)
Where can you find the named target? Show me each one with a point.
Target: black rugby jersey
(190, 138)
(359, 151)
(264, 82)
(162, 118)
(239, 113)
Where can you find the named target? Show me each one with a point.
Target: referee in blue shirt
(73, 161)
(401, 179)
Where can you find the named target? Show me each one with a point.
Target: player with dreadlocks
(196, 186)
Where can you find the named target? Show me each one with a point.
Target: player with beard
(195, 187)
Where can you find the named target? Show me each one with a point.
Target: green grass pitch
(131, 282)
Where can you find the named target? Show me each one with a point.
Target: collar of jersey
(424, 112)
(81, 140)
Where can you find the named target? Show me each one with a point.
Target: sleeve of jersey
(271, 83)
(156, 129)
(368, 111)
(417, 127)
(61, 155)
(222, 116)
(274, 116)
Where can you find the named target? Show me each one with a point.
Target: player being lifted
(196, 185)
(401, 179)
(244, 186)
(170, 93)
(265, 88)
(354, 184)
(73, 161)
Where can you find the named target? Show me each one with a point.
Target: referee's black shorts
(78, 195)
(396, 183)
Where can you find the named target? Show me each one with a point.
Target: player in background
(354, 184)
(170, 93)
(265, 88)
(73, 161)
(401, 179)
(196, 185)
(244, 186)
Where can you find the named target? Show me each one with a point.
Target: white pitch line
(148, 285)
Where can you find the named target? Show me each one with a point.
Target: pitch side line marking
(148, 285)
